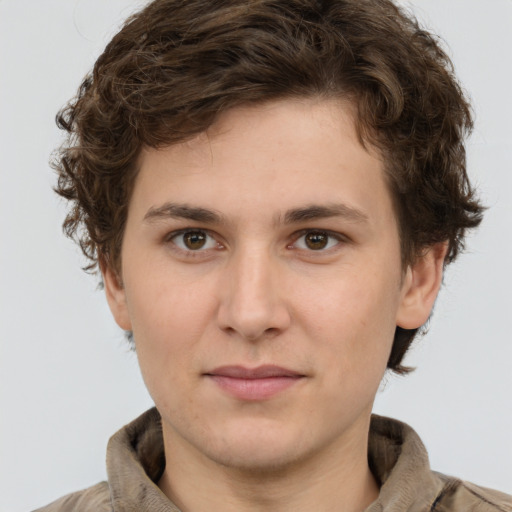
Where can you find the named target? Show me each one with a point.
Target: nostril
(270, 332)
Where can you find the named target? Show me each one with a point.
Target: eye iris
(194, 239)
(316, 240)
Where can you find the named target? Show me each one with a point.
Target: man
(271, 191)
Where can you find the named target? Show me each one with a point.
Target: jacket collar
(396, 455)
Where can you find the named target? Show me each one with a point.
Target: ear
(420, 287)
(116, 296)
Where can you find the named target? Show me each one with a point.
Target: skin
(318, 291)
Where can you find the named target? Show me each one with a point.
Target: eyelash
(331, 236)
(191, 253)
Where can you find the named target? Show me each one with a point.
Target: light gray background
(67, 378)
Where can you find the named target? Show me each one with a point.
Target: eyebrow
(293, 216)
(314, 212)
(183, 211)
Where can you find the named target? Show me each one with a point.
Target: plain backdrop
(67, 378)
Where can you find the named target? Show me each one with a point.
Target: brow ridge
(292, 216)
(183, 211)
(314, 212)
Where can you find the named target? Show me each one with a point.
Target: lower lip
(254, 389)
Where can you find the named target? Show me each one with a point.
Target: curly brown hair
(176, 65)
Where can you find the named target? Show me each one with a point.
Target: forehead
(268, 158)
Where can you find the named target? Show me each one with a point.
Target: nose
(252, 301)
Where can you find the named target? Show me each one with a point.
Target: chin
(258, 450)
(257, 460)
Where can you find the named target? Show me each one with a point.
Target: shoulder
(457, 495)
(93, 499)
(400, 463)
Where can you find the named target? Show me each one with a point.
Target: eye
(194, 240)
(316, 241)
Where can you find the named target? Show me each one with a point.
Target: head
(177, 67)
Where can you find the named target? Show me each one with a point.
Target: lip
(253, 384)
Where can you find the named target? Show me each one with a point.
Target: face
(261, 277)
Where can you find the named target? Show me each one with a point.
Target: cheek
(164, 302)
(353, 320)
(168, 319)
(166, 329)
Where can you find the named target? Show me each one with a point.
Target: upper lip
(261, 372)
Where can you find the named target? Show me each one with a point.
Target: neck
(338, 479)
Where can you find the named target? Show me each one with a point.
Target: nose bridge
(251, 304)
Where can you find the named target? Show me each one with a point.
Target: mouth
(254, 384)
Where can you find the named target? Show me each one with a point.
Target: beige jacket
(135, 460)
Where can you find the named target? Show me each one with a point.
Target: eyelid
(339, 237)
(169, 238)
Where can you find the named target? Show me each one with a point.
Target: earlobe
(116, 296)
(420, 287)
